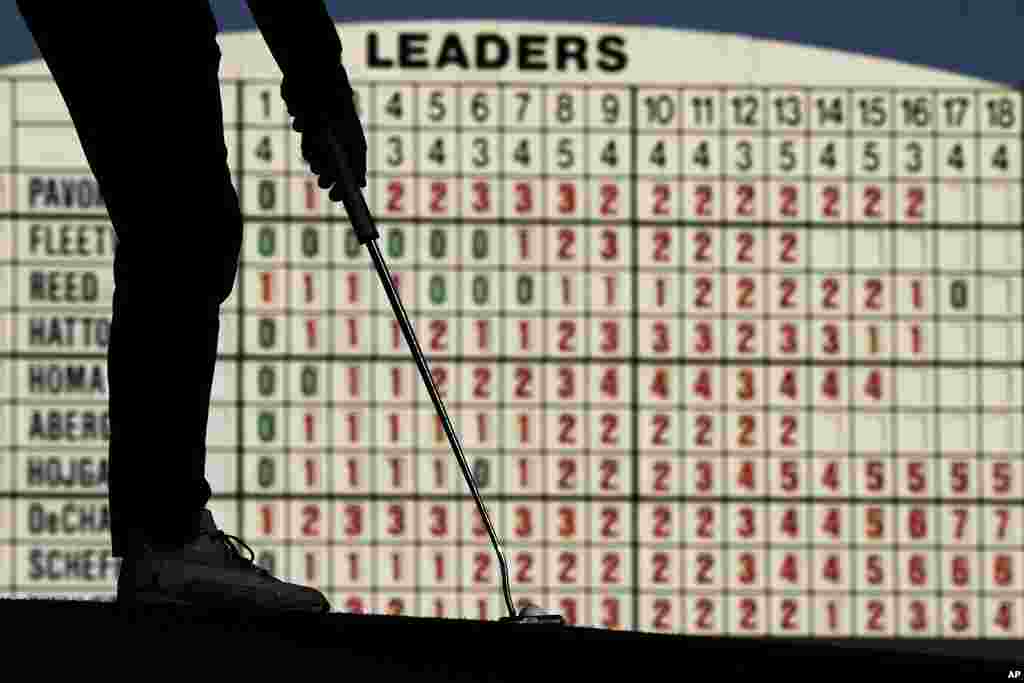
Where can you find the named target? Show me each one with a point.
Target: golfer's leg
(146, 106)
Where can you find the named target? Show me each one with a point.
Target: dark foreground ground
(74, 641)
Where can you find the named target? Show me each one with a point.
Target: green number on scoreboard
(396, 243)
(265, 426)
(437, 289)
(267, 241)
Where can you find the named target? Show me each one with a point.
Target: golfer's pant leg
(146, 106)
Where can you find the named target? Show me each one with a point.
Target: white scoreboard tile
(958, 433)
(527, 566)
(437, 605)
(570, 522)
(916, 201)
(960, 615)
(875, 615)
(567, 566)
(956, 199)
(612, 568)
(395, 566)
(1002, 616)
(961, 570)
(1001, 571)
(1000, 434)
(488, 604)
(832, 615)
(308, 565)
(222, 426)
(703, 568)
(611, 609)
(222, 471)
(788, 567)
(789, 615)
(1001, 341)
(6, 469)
(351, 566)
(349, 602)
(479, 567)
(919, 615)
(1001, 199)
(394, 603)
(610, 474)
(958, 341)
(521, 522)
(1002, 250)
(917, 571)
(7, 568)
(309, 520)
(575, 606)
(438, 567)
(660, 612)
(610, 523)
(704, 613)
(746, 568)
(266, 521)
(660, 523)
(660, 567)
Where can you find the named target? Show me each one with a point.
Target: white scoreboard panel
(731, 332)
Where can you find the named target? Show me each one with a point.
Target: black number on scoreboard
(610, 108)
(660, 109)
(266, 472)
(481, 473)
(958, 294)
(1001, 113)
(267, 195)
(744, 108)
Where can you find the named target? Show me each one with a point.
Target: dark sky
(974, 37)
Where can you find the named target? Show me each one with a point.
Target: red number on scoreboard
(396, 190)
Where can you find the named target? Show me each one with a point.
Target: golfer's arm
(300, 35)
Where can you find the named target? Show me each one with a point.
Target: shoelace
(248, 563)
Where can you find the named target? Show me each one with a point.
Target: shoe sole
(143, 599)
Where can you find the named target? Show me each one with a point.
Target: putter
(366, 231)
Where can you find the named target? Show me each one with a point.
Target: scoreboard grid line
(724, 452)
(634, 366)
(14, 337)
(646, 85)
(853, 461)
(253, 218)
(936, 401)
(373, 450)
(457, 338)
(823, 501)
(979, 457)
(764, 272)
(503, 450)
(893, 433)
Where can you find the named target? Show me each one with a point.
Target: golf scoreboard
(731, 332)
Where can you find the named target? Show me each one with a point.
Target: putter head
(531, 614)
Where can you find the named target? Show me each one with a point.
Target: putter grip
(351, 196)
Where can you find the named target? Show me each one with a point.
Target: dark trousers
(140, 81)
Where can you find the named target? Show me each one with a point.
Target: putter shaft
(366, 231)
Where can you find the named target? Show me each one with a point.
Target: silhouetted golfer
(140, 81)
